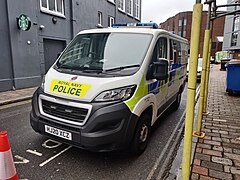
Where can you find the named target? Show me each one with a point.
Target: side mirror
(158, 70)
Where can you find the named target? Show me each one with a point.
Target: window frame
(56, 12)
(100, 19)
(124, 4)
(137, 5)
(111, 21)
(235, 30)
(129, 9)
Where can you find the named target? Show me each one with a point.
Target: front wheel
(141, 136)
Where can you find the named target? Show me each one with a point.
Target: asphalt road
(38, 157)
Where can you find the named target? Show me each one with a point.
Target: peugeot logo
(73, 78)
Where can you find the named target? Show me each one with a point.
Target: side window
(175, 53)
(163, 48)
(160, 50)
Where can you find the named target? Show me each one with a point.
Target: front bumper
(110, 126)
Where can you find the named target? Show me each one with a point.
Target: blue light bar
(119, 25)
(153, 25)
(150, 25)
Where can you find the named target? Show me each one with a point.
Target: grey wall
(22, 62)
(59, 31)
(25, 56)
(5, 53)
(85, 14)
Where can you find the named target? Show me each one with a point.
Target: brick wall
(218, 28)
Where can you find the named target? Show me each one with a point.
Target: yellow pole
(203, 80)
(195, 36)
(207, 77)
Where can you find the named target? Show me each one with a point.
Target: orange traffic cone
(7, 167)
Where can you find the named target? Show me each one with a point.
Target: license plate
(58, 132)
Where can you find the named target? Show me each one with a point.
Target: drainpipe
(11, 52)
(71, 18)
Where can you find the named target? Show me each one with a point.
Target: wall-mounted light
(54, 20)
(41, 27)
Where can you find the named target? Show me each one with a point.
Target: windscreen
(104, 51)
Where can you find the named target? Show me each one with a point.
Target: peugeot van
(109, 86)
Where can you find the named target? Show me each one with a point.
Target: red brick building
(181, 25)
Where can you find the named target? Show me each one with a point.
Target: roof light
(119, 25)
(145, 25)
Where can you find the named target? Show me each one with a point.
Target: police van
(110, 85)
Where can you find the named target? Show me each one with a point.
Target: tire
(141, 135)
(177, 102)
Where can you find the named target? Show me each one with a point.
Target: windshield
(105, 51)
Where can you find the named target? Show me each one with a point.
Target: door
(159, 88)
(174, 67)
(52, 48)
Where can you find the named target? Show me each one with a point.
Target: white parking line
(50, 159)
(34, 152)
(22, 160)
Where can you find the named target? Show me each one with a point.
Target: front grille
(65, 112)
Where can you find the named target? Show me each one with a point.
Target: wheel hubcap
(144, 133)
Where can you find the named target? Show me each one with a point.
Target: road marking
(50, 159)
(56, 144)
(14, 104)
(34, 152)
(22, 160)
(164, 151)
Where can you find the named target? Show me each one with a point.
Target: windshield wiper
(122, 67)
(89, 70)
(83, 69)
(65, 66)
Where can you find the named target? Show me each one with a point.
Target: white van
(109, 86)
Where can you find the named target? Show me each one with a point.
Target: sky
(159, 11)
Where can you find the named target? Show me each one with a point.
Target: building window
(130, 7)
(184, 33)
(179, 22)
(185, 22)
(179, 33)
(55, 7)
(137, 8)
(110, 21)
(236, 22)
(121, 5)
(214, 45)
(99, 18)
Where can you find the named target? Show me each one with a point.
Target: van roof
(142, 30)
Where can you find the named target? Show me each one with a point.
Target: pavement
(9, 97)
(217, 156)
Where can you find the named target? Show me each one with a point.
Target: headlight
(43, 82)
(123, 94)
